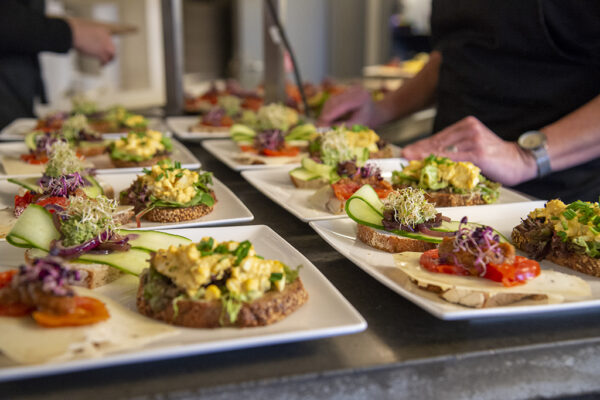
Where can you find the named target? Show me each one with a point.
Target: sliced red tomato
(518, 273)
(212, 97)
(59, 201)
(287, 151)
(6, 277)
(345, 188)
(252, 103)
(87, 311)
(11, 309)
(248, 149)
(34, 159)
(24, 201)
(430, 260)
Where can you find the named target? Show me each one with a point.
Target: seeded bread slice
(578, 262)
(92, 275)
(169, 214)
(270, 308)
(390, 242)
(131, 164)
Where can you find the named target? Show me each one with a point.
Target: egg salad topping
(139, 146)
(134, 120)
(441, 173)
(341, 144)
(170, 182)
(578, 222)
(210, 270)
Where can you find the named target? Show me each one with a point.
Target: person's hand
(470, 140)
(92, 39)
(354, 106)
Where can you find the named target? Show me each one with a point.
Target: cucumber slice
(301, 132)
(321, 169)
(131, 262)
(95, 189)
(365, 207)
(28, 183)
(30, 140)
(153, 240)
(34, 228)
(304, 175)
(242, 133)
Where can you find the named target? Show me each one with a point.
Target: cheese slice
(552, 286)
(25, 342)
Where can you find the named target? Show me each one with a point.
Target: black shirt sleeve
(25, 31)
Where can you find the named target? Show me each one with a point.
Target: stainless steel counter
(404, 353)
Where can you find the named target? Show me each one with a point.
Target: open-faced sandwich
(273, 135)
(64, 176)
(403, 221)
(566, 234)
(169, 193)
(474, 269)
(75, 130)
(140, 149)
(113, 120)
(333, 197)
(331, 151)
(44, 318)
(210, 284)
(85, 231)
(447, 183)
(221, 116)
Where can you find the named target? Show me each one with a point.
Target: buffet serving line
(364, 336)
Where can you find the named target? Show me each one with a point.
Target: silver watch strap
(542, 160)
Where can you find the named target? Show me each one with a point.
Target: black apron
(518, 65)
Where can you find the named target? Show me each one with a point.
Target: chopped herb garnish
(276, 276)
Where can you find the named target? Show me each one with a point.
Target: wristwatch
(535, 142)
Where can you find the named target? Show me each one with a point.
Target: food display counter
(404, 353)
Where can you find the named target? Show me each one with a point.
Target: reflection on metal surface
(173, 45)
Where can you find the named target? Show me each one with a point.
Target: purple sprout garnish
(48, 274)
(214, 116)
(271, 139)
(44, 142)
(481, 242)
(61, 186)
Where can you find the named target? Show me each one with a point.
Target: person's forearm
(414, 95)
(575, 138)
(25, 31)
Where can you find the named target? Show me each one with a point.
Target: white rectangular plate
(341, 234)
(20, 127)
(181, 127)
(226, 150)
(276, 185)
(228, 209)
(327, 313)
(102, 162)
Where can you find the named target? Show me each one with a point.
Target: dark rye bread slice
(132, 164)
(578, 262)
(270, 308)
(445, 199)
(390, 242)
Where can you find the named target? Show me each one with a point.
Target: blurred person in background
(500, 69)
(25, 31)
